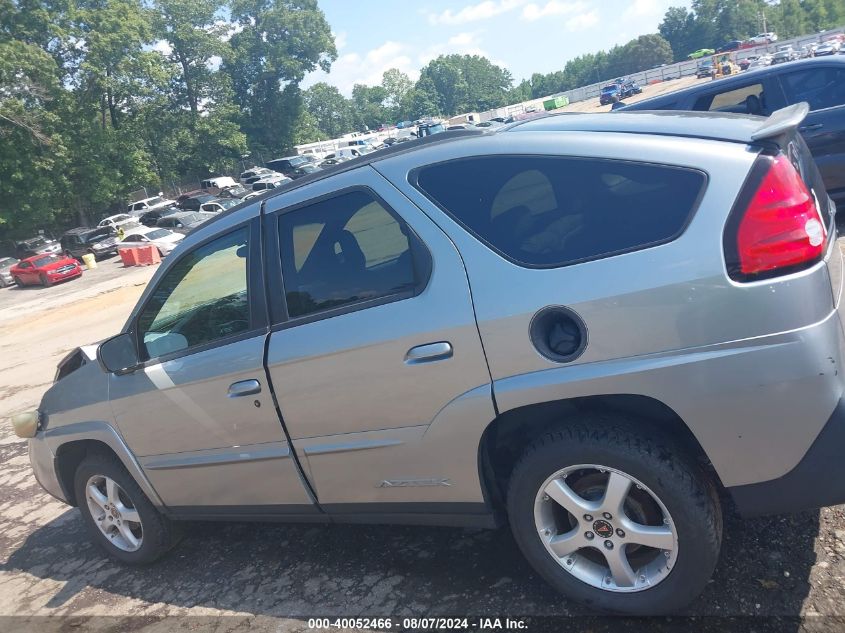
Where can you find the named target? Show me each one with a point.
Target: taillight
(776, 229)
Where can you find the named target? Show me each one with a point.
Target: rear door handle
(244, 388)
(429, 353)
(811, 127)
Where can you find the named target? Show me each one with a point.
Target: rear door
(374, 339)
(823, 88)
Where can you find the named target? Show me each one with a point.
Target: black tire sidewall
(156, 532)
(699, 533)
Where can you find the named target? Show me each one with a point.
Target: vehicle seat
(753, 105)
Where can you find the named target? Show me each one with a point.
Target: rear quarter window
(550, 212)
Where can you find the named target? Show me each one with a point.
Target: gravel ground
(273, 577)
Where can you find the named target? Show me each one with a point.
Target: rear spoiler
(782, 122)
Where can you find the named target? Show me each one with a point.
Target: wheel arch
(509, 434)
(72, 443)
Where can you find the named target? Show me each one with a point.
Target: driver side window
(202, 299)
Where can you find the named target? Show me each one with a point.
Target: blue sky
(524, 36)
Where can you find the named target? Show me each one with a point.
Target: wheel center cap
(603, 528)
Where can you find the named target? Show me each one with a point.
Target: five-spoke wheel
(114, 513)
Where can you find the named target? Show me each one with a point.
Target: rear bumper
(817, 481)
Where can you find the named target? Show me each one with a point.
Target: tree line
(98, 97)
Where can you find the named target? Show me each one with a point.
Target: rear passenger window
(551, 212)
(744, 100)
(344, 250)
(820, 87)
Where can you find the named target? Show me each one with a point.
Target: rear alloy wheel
(615, 519)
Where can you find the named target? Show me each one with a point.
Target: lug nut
(620, 532)
(589, 536)
(588, 517)
(607, 516)
(608, 544)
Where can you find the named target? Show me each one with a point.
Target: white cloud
(475, 12)
(466, 43)
(163, 47)
(339, 40)
(646, 9)
(532, 12)
(367, 69)
(583, 21)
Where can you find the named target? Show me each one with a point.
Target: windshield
(96, 236)
(154, 201)
(6, 262)
(43, 261)
(157, 234)
(35, 242)
(610, 88)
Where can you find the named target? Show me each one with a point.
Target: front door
(823, 87)
(199, 414)
(377, 364)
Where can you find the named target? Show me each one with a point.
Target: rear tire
(150, 536)
(672, 495)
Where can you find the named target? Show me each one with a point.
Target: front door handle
(244, 388)
(811, 127)
(429, 353)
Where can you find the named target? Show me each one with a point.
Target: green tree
(397, 84)
(420, 101)
(280, 41)
(332, 111)
(368, 106)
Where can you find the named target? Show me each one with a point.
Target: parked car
(256, 173)
(784, 54)
(272, 182)
(38, 245)
(44, 270)
(163, 239)
(151, 218)
(704, 68)
(819, 81)
(184, 223)
(608, 454)
(97, 241)
(760, 62)
(6, 264)
(733, 45)
(304, 170)
(193, 203)
(830, 47)
(333, 159)
(808, 50)
(287, 165)
(219, 205)
(746, 62)
(618, 90)
(236, 192)
(701, 52)
(765, 38)
(149, 204)
(121, 220)
(216, 185)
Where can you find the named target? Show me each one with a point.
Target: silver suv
(590, 327)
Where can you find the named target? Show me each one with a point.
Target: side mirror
(117, 355)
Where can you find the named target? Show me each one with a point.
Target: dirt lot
(653, 90)
(775, 567)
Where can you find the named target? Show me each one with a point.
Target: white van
(215, 185)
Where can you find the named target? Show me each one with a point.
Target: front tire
(45, 281)
(616, 520)
(117, 513)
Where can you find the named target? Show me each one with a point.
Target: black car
(151, 218)
(98, 241)
(705, 68)
(733, 45)
(304, 170)
(38, 245)
(287, 165)
(194, 203)
(818, 81)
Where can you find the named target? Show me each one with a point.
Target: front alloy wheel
(114, 513)
(606, 528)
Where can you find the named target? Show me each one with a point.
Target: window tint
(820, 87)
(203, 298)
(743, 100)
(557, 211)
(343, 250)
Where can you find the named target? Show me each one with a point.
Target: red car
(45, 270)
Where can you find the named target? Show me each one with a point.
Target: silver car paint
(665, 322)
(346, 376)
(671, 298)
